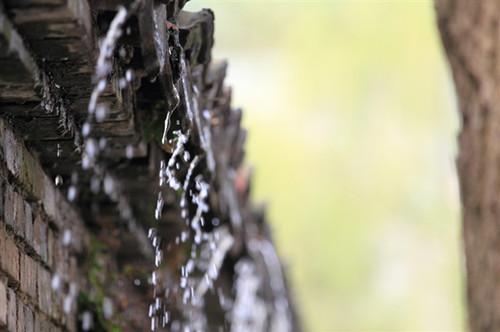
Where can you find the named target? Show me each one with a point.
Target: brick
(20, 317)
(14, 211)
(69, 219)
(29, 320)
(10, 256)
(28, 276)
(55, 258)
(40, 237)
(21, 163)
(11, 310)
(3, 302)
(37, 323)
(2, 190)
(40, 322)
(32, 175)
(28, 224)
(44, 290)
(51, 248)
(11, 149)
(49, 198)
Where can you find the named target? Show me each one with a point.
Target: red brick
(28, 276)
(28, 224)
(42, 324)
(51, 248)
(12, 311)
(49, 198)
(37, 324)
(20, 317)
(40, 237)
(3, 302)
(10, 256)
(14, 210)
(21, 163)
(29, 320)
(44, 290)
(3, 184)
(12, 153)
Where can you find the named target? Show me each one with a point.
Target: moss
(98, 277)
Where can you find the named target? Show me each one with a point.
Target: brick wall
(34, 215)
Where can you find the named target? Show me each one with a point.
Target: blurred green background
(352, 128)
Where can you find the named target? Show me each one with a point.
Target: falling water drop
(87, 321)
(72, 193)
(109, 185)
(129, 75)
(67, 303)
(56, 282)
(101, 112)
(86, 129)
(186, 156)
(129, 151)
(107, 307)
(58, 180)
(66, 239)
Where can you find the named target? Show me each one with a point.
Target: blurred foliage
(352, 130)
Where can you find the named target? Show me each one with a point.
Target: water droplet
(86, 129)
(66, 239)
(58, 180)
(67, 303)
(129, 75)
(109, 185)
(186, 156)
(122, 83)
(107, 307)
(101, 112)
(101, 86)
(87, 321)
(91, 148)
(206, 114)
(56, 282)
(59, 150)
(129, 151)
(122, 52)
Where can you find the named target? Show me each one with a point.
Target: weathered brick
(10, 255)
(36, 322)
(21, 163)
(11, 150)
(28, 276)
(51, 248)
(28, 224)
(20, 317)
(29, 320)
(3, 302)
(49, 199)
(53, 328)
(2, 206)
(40, 237)
(44, 290)
(42, 324)
(12, 310)
(14, 211)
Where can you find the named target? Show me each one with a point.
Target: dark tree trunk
(470, 31)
